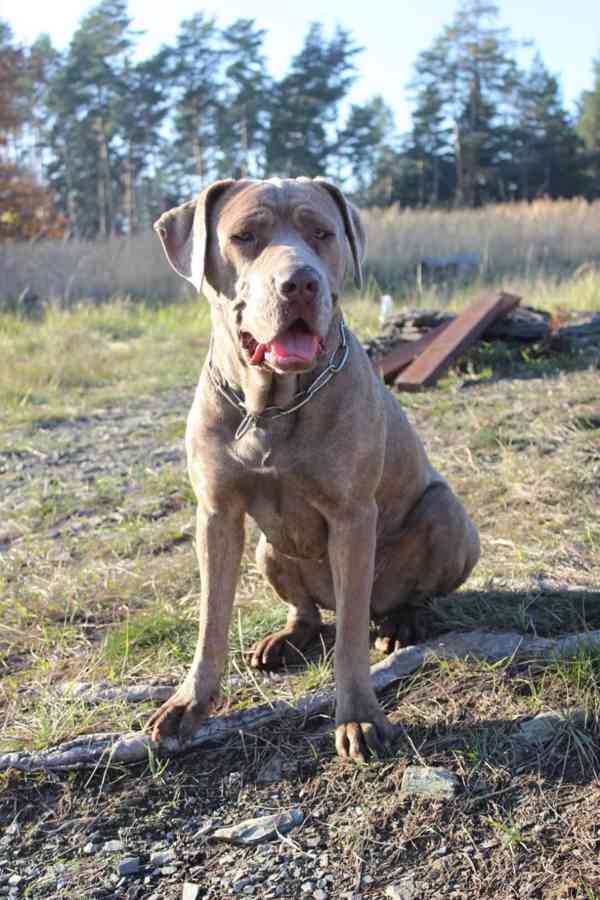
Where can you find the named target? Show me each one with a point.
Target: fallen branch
(92, 693)
(96, 750)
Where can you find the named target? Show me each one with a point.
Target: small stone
(162, 857)
(15, 880)
(129, 866)
(90, 848)
(239, 885)
(545, 725)
(429, 781)
(402, 890)
(254, 831)
(320, 895)
(249, 889)
(308, 887)
(168, 870)
(112, 846)
(191, 891)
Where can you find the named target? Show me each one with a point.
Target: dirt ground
(98, 583)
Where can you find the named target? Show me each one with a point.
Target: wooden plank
(455, 339)
(397, 359)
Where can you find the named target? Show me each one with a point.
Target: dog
(291, 425)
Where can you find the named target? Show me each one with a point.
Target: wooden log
(524, 324)
(581, 334)
(402, 355)
(457, 337)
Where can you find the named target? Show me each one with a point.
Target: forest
(96, 141)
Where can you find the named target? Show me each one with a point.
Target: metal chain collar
(300, 399)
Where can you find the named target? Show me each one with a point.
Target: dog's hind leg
(304, 619)
(433, 553)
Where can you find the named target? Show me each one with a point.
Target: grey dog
(291, 425)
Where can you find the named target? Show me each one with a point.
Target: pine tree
(83, 104)
(242, 117)
(196, 77)
(139, 116)
(361, 143)
(305, 104)
(544, 143)
(588, 128)
(428, 148)
(467, 78)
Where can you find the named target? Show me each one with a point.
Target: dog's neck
(260, 386)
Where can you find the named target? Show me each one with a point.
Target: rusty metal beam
(397, 359)
(457, 337)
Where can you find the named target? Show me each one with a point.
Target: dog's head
(272, 256)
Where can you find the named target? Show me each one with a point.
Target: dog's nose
(303, 284)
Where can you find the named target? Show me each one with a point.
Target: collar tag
(249, 421)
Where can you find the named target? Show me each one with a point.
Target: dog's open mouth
(296, 348)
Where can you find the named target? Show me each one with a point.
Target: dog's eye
(321, 234)
(244, 237)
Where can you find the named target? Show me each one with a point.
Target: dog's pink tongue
(296, 343)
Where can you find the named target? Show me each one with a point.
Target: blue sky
(392, 33)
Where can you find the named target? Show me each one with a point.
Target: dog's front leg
(219, 545)
(361, 725)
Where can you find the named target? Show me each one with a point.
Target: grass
(98, 583)
(543, 241)
(96, 356)
(547, 242)
(99, 572)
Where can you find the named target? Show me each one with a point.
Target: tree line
(95, 141)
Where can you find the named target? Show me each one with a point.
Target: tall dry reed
(518, 241)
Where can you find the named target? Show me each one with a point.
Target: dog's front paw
(179, 717)
(358, 741)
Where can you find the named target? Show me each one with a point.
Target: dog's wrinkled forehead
(276, 200)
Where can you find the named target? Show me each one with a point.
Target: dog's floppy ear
(353, 227)
(183, 232)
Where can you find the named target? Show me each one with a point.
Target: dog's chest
(288, 522)
(276, 496)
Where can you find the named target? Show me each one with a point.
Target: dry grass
(517, 240)
(97, 355)
(64, 272)
(524, 242)
(98, 583)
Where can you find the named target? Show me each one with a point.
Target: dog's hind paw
(284, 646)
(404, 627)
